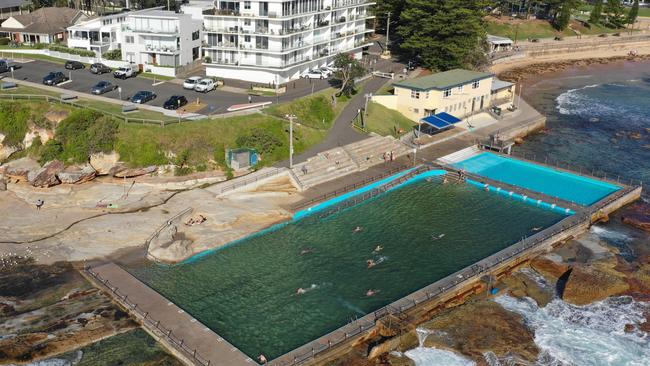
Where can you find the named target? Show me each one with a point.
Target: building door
(481, 102)
(473, 104)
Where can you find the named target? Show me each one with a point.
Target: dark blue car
(143, 96)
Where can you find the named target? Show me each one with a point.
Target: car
(205, 85)
(54, 78)
(127, 71)
(326, 71)
(74, 65)
(313, 74)
(6, 65)
(332, 69)
(103, 87)
(191, 82)
(175, 102)
(143, 96)
(99, 69)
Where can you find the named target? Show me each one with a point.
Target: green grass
(8, 54)
(384, 121)
(148, 75)
(134, 347)
(542, 29)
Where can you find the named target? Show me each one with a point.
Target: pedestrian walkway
(187, 335)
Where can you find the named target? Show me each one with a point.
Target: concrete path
(194, 335)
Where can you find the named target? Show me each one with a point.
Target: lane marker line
(158, 83)
(63, 83)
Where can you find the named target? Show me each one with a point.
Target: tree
(446, 34)
(564, 16)
(348, 69)
(596, 12)
(634, 12)
(615, 13)
(115, 54)
(381, 10)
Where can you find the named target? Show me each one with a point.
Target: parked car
(54, 78)
(332, 69)
(103, 87)
(127, 71)
(326, 71)
(205, 85)
(74, 65)
(191, 82)
(6, 65)
(313, 74)
(175, 102)
(143, 96)
(99, 69)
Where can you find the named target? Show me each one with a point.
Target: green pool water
(247, 292)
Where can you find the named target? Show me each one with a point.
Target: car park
(74, 65)
(54, 78)
(143, 96)
(103, 87)
(191, 82)
(99, 69)
(205, 85)
(127, 71)
(313, 74)
(175, 102)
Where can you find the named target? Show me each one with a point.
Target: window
(247, 38)
(416, 110)
(415, 94)
(426, 95)
(128, 39)
(247, 4)
(247, 22)
(195, 35)
(460, 89)
(475, 84)
(446, 93)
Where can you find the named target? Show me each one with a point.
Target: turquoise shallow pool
(247, 292)
(569, 187)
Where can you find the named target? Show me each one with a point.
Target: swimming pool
(564, 185)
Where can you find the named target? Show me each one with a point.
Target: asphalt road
(218, 100)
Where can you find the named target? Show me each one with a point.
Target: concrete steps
(371, 151)
(324, 167)
(460, 155)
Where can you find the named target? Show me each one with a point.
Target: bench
(8, 85)
(68, 97)
(126, 108)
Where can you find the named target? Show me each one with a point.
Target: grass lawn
(541, 29)
(148, 75)
(384, 121)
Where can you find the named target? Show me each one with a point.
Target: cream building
(457, 92)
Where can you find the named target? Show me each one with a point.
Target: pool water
(556, 183)
(247, 292)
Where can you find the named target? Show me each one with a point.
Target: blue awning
(440, 120)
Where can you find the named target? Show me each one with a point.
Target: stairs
(324, 167)
(370, 151)
(460, 155)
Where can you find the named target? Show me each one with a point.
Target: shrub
(4, 41)
(13, 123)
(144, 154)
(40, 46)
(208, 59)
(316, 111)
(52, 150)
(113, 55)
(72, 51)
(220, 154)
(260, 140)
(84, 133)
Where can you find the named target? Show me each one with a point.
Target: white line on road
(63, 83)
(158, 83)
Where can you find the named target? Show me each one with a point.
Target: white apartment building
(161, 38)
(277, 40)
(98, 34)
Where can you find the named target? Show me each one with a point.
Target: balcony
(128, 28)
(161, 49)
(274, 15)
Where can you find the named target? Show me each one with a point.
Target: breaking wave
(424, 356)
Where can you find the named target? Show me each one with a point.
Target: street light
(290, 117)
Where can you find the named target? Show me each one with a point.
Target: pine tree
(596, 12)
(564, 17)
(615, 13)
(634, 12)
(446, 34)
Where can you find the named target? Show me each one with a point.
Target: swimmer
(372, 292)
(371, 263)
(300, 291)
(378, 249)
(357, 229)
(436, 237)
(537, 228)
(306, 251)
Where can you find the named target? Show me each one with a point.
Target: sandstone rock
(78, 175)
(519, 140)
(56, 116)
(135, 172)
(42, 133)
(117, 168)
(102, 163)
(638, 216)
(20, 168)
(588, 284)
(501, 331)
(3, 183)
(548, 268)
(46, 176)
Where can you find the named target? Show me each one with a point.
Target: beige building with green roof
(457, 92)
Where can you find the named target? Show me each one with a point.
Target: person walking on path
(250, 99)
(39, 204)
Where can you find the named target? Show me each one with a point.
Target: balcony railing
(270, 14)
(149, 30)
(161, 49)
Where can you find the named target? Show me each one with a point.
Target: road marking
(158, 83)
(63, 83)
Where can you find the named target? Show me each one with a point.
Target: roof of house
(12, 3)
(46, 20)
(443, 80)
(498, 40)
(500, 84)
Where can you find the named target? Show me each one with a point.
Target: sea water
(247, 293)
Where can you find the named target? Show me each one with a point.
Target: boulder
(587, 284)
(77, 175)
(46, 176)
(116, 169)
(102, 163)
(135, 172)
(20, 168)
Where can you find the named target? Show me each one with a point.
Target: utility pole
(365, 109)
(387, 30)
(290, 117)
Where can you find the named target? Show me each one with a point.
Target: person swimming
(372, 292)
(371, 263)
(306, 251)
(436, 237)
(537, 228)
(357, 229)
(300, 291)
(378, 249)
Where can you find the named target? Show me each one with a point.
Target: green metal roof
(443, 80)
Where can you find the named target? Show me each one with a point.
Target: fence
(127, 119)
(149, 321)
(255, 177)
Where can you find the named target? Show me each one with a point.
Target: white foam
(604, 233)
(423, 356)
(586, 335)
